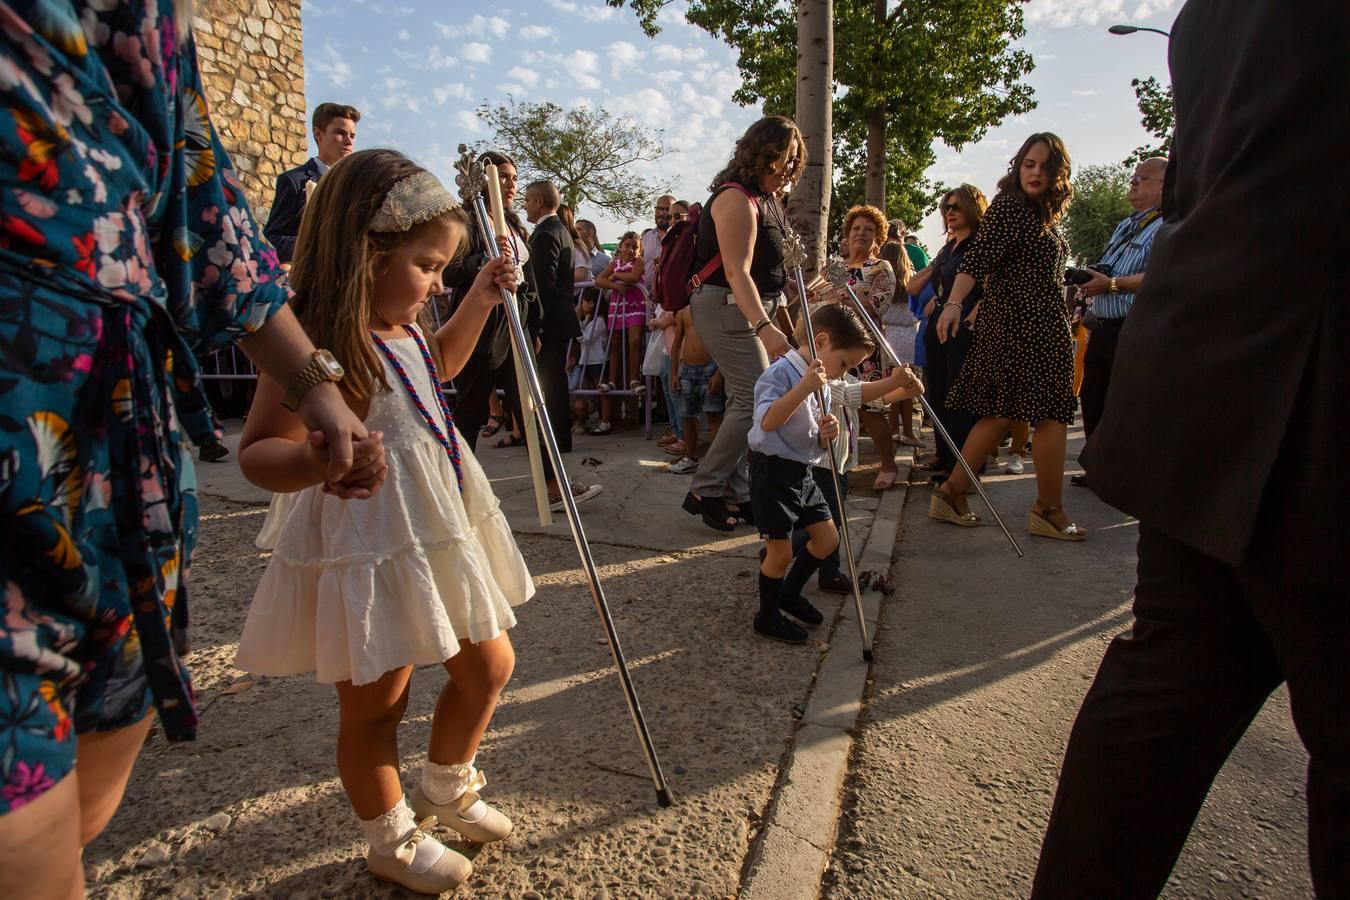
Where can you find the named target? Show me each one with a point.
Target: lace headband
(416, 199)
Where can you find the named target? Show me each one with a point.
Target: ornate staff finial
(794, 251)
(836, 272)
(472, 178)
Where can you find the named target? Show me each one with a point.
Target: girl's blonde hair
(337, 259)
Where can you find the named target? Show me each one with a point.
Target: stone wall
(252, 59)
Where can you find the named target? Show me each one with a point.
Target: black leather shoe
(838, 583)
(801, 609)
(778, 628)
(1079, 480)
(213, 452)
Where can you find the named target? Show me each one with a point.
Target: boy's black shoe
(801, 609)
(838, 583)
(213, 452)
(778, 628)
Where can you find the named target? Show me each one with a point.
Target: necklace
(446, 440)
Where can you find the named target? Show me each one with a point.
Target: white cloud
(403, 34)
(1067, 13)
(622, 57)
(475, 52)
(469, 122)
(580, 67)
(527, 77)
(478, 26)
(587, 11)
(455, 90)
(672, 54)
(1083, 93)
(331, 65)
(649, 106)
(536, 32)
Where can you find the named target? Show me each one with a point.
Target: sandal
(908, 440)
(743, 513)
(713, 511)
(675, 448)
(602, 429)
(605, 387)
(884, 480)
(493, 426)
(508, 442)
(931, 464)
(941, 509)
(1039, 524)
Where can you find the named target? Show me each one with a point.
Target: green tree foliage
(925, 70)
(588, 153)
(1098, 206)
(1159, 118)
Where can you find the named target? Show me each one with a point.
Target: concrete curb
(793, 850)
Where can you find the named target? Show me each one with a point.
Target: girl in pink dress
(627, 315)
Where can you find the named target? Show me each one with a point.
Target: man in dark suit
(335, 136)
(551, 261)
(1242, 532)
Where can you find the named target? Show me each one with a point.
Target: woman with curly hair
(1021, 367)
(739, 280)
(873, 281)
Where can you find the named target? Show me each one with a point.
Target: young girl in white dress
(425, 570)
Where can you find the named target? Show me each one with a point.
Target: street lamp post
(1131, 29)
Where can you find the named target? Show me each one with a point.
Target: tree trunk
(876, 124)
(809, 206)
(876, 157)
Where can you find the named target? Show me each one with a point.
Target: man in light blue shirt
(1111, 296)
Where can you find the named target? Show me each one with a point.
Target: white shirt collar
(797, 362)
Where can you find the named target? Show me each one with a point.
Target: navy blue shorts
(784, 496)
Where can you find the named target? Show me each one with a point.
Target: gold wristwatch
(323, 366)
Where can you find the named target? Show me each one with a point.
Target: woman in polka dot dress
(1021, 367)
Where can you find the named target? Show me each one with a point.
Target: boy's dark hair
(841, 323)
(327, 112)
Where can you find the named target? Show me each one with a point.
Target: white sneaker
(421, 863)
(684, 466)
(1015, 466)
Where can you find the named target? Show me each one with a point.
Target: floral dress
(873, 282)
(126, 246)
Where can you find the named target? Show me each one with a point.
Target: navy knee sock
(769, 589)
(803, 567)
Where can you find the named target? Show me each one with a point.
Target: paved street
(980, 664)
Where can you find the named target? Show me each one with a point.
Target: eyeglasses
(949, 207)
(663, 209)
(1140, 179)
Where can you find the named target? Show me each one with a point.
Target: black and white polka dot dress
(1021, 366)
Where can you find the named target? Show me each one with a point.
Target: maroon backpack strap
(716, 262)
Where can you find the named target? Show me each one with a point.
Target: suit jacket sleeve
(283, 222)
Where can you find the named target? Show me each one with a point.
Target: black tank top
(766, 267)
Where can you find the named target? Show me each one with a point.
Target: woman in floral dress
(126, 245)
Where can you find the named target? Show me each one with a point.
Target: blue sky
(417, 70)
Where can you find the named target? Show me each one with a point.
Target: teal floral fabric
(126, 249)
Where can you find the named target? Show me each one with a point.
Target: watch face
(331, 367)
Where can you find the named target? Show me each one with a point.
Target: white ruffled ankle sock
(386, 835)
(443, 785)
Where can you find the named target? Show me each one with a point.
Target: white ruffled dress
(356, 588)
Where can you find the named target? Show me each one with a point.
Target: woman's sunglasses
(949, 207)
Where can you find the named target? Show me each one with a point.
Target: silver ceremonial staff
(794, 254)
(472, 181)
(880, 338)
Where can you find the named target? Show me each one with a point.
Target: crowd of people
(373, 311)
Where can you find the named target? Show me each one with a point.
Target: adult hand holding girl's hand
(325, 413)
(496, 274)
(368, 469)
(829, 429)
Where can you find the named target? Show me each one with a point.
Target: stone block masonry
(252, 59)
